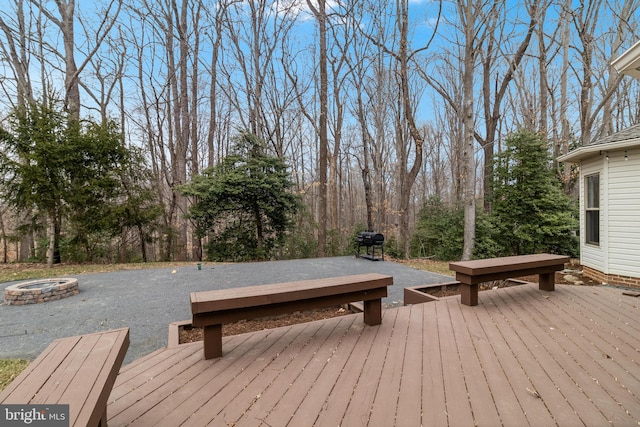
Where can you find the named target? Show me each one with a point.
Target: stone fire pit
(41, 290)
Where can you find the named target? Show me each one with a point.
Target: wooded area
(375, 106)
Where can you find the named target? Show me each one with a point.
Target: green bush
(392, 248)
(440, 233)
(301, 242)
(352, 246)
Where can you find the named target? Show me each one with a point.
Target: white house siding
(624, 214)
(592, 255)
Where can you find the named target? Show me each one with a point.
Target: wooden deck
(521, 357)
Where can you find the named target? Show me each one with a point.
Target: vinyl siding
(624, 214)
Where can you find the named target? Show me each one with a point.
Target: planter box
(173, 340)
(420, 294)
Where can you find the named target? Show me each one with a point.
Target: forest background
(377, 108)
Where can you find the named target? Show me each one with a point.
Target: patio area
(521, 357)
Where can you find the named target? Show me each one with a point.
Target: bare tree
(320, 14)
(491, 52)
(467, 10)
(403, 57)
(15, 50)
(66, 24)
(586, 19)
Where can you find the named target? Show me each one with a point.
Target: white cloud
(300, 8)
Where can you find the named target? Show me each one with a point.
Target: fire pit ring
(41, 290)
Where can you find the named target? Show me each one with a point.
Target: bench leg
(212, 341)
(373, 312)
(547, 282)
(469, 294)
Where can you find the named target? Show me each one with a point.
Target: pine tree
(530, 211)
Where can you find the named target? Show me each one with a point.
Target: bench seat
(212, 309)
(79, 371)
(471, 273)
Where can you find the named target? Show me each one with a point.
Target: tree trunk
(51, 236)
(323, 148)
(364, 163)
(468, 156)
(565, 136)
(72, 86)
(409, 120)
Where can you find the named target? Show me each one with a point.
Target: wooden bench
(471, 273)
(211, 309)
(79, 371)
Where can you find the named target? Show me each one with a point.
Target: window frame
(592, 209)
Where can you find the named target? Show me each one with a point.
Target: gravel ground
(148, 300)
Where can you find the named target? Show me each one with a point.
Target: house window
(592, 210)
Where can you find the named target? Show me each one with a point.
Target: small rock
(571, 279)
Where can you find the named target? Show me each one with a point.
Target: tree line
(376, 107)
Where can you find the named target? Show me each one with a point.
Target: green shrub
(392, 248)
(440, 233)
(301, 242)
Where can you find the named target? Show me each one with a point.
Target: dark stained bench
(211, 309)
(471, 273)
(79, 371)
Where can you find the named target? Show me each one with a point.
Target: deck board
(492, 358)
(368, 383)
(409, 407)
(578, 360)
(484, 407)
(385, 402)
(322, 387)
(572, 366)
(336, 402)
(207, 394)
(520, 357)
(511, 356)
(434, 410)
(548, 379)
(259, 401)
(294, 385)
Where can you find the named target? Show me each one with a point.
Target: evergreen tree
(67, 172)
(530, 211)
(244, 204)
(33, 151)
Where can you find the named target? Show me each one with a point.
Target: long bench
(471, 273)
(77, 371)
(212, 309)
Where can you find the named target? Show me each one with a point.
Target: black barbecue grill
(370, 241)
